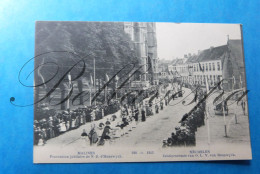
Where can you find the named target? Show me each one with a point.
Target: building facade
(144, 39)
(216, 63)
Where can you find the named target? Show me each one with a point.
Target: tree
(105, 41)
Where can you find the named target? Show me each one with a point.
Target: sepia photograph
(139, 92)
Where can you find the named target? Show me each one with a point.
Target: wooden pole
(90, 97)
(95, 79)
(206, 112)
(224, 115)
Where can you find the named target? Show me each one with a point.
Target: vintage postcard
(139, 92)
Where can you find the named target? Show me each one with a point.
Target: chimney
(211, 48)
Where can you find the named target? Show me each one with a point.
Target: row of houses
(216, 63)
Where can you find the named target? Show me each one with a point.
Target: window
(194, 68)
(218, 66)
(206, 67)
(213, 66)
(203, 67)
(209, 66)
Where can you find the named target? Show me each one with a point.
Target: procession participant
(62, 126)
(88, 113)
(113, 118)
(136, 114)
(191, 123)
(150, 110)
(126, 109)
(42, 136)
(100, 129)
(156, 108)
(188, 139)
(129, 120)
(243, 105)
(43, 130)
(161, 104)
(182, 136)
(121, 126)
(56, 125)
(84, 113)
(123, 112)
(146, 110)
(133, 117)
(93, 136)
(184, 117)
(178, 131)
(36, 135)
(118, 132)
(165, 143)
(84, 135)
(125, 124)
(41, 141)
(174, 139)
(50, 128)
(105, 135)
(73, 121)
(191, 138)
(143, 115)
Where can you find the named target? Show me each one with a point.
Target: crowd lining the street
(185, 133)
(113, 126)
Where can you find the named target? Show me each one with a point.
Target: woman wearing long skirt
(143, 115)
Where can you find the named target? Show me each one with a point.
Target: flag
(116, 78)
(69, 77)
(107, 78)
(207, 85)
(91, 80)
(201, 69)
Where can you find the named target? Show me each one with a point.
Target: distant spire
(227, 39)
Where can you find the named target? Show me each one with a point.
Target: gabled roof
(177, 61)
(214, 53)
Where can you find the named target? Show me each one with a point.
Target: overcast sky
(175, 40)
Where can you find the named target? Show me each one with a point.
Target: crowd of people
(185, 132)
(116, 127)
(49, 124)
(106, 122)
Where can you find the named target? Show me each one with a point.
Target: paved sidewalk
(237, 131)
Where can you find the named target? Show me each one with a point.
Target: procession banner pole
(224, 115)
(106, 88)
(116, 89)
(68, 101)
(106, 94)
(90, 96)
(95, 78)
(207, 112)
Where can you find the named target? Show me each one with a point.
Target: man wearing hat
(106, 134)
(93, 136)
(50, 128)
